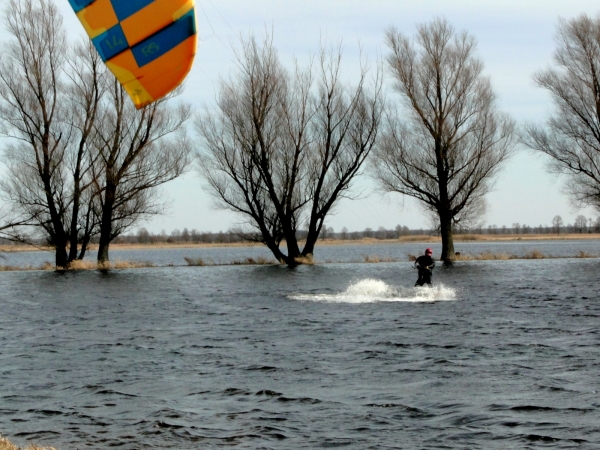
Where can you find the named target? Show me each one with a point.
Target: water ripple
(342, 355)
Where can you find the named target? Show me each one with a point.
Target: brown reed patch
(378, 259)
(130, 264)
(491, 256)
(194, 261)
(483, 256)
(534, 254)
(459, 257)
(371, 259)
(466, 237)
(5, 444)
(308, 259)
(583, 254)
(80, 264)
(44, 266)
(260, 261)
(419, 238)
(11, 268)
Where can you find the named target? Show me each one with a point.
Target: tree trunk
(447, 239)
(104, 243)
(106, 224)
(311, 240)
(277, 253)
(58, 235)
(74, 230)
(309, 246)
(75, 214)
(61, 260)
(293, 250)
(84, 244)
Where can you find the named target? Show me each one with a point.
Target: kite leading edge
(149, 45)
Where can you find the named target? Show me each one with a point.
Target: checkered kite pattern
(149, 45)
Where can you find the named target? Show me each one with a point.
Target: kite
(149, 45)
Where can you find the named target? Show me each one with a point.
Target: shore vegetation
(5, 444)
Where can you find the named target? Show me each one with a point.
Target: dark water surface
(501, 354)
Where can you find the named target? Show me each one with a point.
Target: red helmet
(428, 251)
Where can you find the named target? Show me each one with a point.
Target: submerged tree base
(81, 265)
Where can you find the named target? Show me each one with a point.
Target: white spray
(370, 291)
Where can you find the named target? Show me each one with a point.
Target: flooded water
(499, 354)
(323, 253)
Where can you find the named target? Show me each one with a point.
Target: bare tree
(451, 140)
(571, 137)
(282, 148)
(557, 224)
(580, 223)
(516, 228)
(88, 79)
(138, 151)
(48, 100)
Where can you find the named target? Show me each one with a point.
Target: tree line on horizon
(281, 146)
(581, 225)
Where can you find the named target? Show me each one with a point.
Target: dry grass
(44, 266)
(82, 265)
(93, 265)
(194, 261)
(484, 256)
(466, 237)
(378, 259)
(410, 238)
(420, 238)
(308, 259)
(241, 262)
(534, 254)
(128, 265)
(260, 261)
(491, 256)
(11, 268)
(5, 444)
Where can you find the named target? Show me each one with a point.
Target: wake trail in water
(371, 291)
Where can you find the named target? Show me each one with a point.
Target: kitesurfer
(425, 264)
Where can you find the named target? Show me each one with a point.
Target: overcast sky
(516, 39)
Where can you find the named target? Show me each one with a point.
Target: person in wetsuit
(425, 264)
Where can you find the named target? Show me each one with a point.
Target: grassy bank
(5, 444)
(81, 265)
(259, 261)
(327, 242)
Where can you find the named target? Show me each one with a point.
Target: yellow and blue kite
(149, 45)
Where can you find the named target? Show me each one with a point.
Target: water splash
(370, 290)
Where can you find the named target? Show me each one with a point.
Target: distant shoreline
(412, 239)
